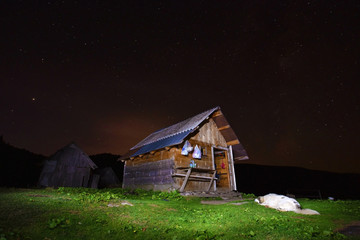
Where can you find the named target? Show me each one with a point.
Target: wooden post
(211, 181)
(234, 187)
(185, 180)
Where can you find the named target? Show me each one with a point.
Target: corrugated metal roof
(187, 125)
(165, 142)
(176, 133)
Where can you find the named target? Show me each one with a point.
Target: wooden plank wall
(209, 133)
(155, 175)
(152, 157)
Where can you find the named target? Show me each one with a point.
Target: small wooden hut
(69, 167)
(169, 158)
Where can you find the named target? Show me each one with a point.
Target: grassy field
(68, 213)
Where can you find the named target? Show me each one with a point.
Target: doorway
(221, 164)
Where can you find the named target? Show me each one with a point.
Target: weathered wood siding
(152, 157)
(65, 176)
(210, 134)
(155, 175)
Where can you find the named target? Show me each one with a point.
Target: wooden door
(222, 168)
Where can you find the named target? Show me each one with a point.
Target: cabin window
(204, 151)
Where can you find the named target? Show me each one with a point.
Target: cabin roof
(175, 134)
(72, 155)
(177, 131)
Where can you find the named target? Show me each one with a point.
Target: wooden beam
(193, 176)
(211, 181)
(185, 180)
(141, 155)
(233, 142)
(217, 113)
(224, 127)
(167, 148)
(152, 152)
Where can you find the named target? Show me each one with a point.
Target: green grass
(69, 213)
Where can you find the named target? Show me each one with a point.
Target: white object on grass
(283, 203)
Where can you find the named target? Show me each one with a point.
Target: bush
(101, 195)
(248, 195)
(173, 195)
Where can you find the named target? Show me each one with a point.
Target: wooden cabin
(68, 167)
(158, 162)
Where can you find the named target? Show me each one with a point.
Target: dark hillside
(261, 180)
(19, 167)
(109, 160)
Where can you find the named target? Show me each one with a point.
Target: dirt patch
(219, 202)
(38, 195)
(351, 230)
(225, 196)
(74, 212)
(239, 203)
(64, 198)
(171, 210)
(214, 202)
(123, 203)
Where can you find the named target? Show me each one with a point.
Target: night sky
(107, 74)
